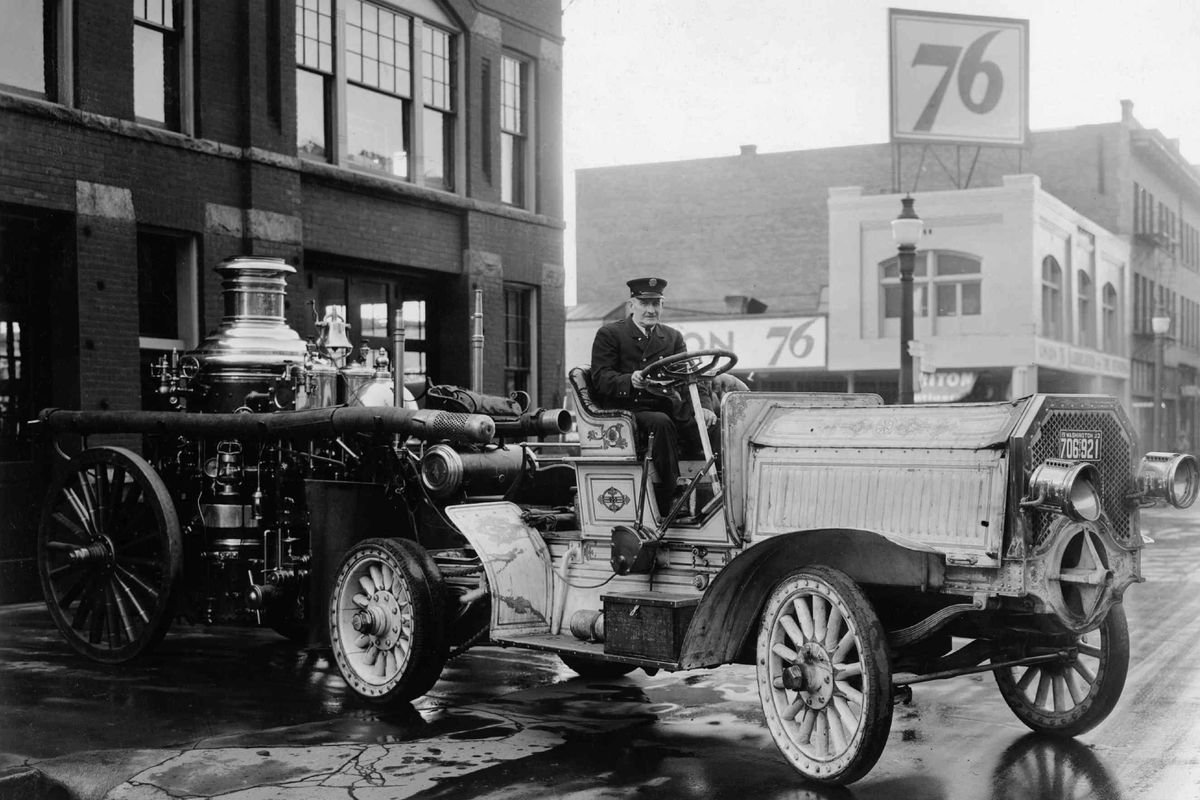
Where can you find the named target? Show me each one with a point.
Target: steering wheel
(682, 368)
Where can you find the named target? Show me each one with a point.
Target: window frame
(336, 109)
(57, 56)
(187, 290)
(928, 284)
(1110, 319)
(182, 118)
(516, 169)
(1053, 297)
(523, 322)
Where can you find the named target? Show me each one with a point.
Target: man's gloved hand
(710, 417)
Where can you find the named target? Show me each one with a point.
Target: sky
(664, 80)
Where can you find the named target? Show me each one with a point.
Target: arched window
(1111, 320)
(1086, 303)
(1052, 299)
(953, 279)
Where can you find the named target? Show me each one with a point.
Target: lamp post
(1160, 323)
(906, 232)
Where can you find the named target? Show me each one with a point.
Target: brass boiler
(243, 362)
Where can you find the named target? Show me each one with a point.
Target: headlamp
(1173, 477)
(1071, 488)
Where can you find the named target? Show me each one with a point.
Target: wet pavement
(242, 714)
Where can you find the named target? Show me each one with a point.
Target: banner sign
(762, 343)
(958, 79)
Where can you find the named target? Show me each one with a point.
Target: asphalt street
(242, 714)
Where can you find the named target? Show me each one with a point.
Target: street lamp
(906, 232)
(1160, 323)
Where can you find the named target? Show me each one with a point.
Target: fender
(516, 562)
(729, 611)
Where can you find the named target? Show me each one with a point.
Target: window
(1111, 320)
(34, 48)
(366, 304)
(168, 318)
(1052, 299)
(518, 339)
(1086, 303)
(513, 145)
(437, 91)
(314, 73)
(954, 279)
(379, 88)
(160, 63)
(370, 107)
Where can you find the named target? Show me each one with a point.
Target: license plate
(1079, 445)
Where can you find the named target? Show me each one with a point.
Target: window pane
(972, 303)
(891, 302)
(377, 131)
(377, 49)
(149, 74)
(22, 46)
(374, 319)
(310, 113)
(950, 264)
(512, 169)
(947, 300)
(511, 116)
(436, 144)
(158, 293)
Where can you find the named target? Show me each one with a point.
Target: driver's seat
(607, 430)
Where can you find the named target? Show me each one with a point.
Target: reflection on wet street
(215, 712)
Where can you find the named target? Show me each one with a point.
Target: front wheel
(824, 675)
(1073, 695)
(386, 620)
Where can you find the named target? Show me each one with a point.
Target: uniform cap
(646, 288)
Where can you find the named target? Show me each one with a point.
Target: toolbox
(647, 624)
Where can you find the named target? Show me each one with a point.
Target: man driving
(620, 353)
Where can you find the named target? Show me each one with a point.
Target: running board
(571, 645)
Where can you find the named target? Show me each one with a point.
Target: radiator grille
(1116, 453)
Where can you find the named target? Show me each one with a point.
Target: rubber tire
(595, 668)
(865, 744)
(135, 524)
(1111, 668)
(421, 584)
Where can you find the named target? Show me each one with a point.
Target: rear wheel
(386, 620)
(1073, 695)
(824, 675)
(110, 555)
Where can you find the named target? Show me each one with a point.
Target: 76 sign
(958, 79)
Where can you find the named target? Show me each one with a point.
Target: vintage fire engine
(849, 550)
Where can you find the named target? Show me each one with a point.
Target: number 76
(946, 56)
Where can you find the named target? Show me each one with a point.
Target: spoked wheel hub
(382, 620)
(811, 674)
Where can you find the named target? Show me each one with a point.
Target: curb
(27, 783)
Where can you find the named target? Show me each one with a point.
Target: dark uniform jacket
(620, 348)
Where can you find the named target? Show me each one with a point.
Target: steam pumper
(271, 456)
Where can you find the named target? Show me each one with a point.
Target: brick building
(1100, 232)
(398, 153)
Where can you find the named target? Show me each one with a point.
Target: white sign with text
(958, 78)
(762, 343)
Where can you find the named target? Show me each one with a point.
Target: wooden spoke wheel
(386, 620)
(110, 554)
(1072, 695)
(824, 675)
